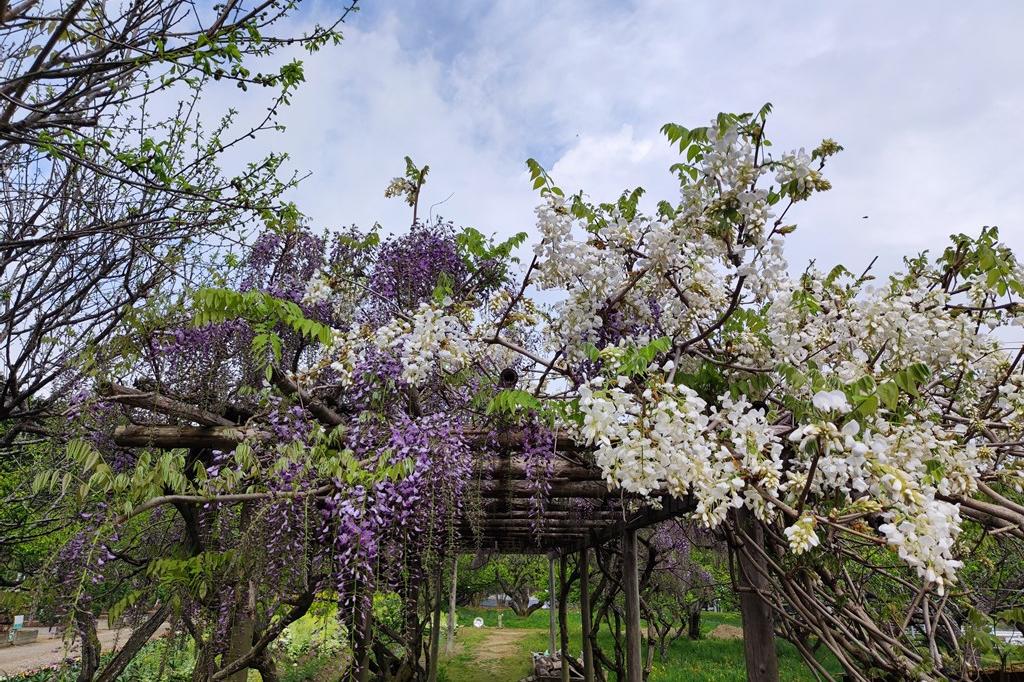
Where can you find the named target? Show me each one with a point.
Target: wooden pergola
(506, 521)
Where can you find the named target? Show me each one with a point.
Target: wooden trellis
(579, 511)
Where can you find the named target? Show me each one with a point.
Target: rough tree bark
(551, 605)
(449, 642)
(136, 641)
(758, 625)
(631, 589)
(563, 616)
(363, 640)
(585, 616)
(435, 629)
(85, 623)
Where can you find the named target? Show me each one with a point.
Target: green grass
(704, 660)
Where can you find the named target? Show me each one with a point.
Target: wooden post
(631, 588)
(758, 626)
(585, 616)
(435, 627)
(551, 604)
(449, 642)
(364, 637)
(563, 616)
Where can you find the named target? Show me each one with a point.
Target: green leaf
(868, 406)
(890, 395)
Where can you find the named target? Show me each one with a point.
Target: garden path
(49, 649)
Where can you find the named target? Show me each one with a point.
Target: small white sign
(19, 622)
(478, 622)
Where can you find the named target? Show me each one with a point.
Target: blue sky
(927, 98)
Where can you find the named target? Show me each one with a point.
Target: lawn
(484, 656)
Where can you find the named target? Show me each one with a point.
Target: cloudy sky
(927, 98)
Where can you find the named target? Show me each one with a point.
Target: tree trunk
(413, 634)
(266, 668)
(551, 605)
(435, 629)
(136, 641)
(363, 639)
(239, 644)
(585, 616)
(693, 627)
(85, 624)
(631, 590)
(649, 659)
(449, 642)
(758, 625)
(204, 659)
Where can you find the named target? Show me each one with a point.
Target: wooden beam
(499, 522)
(170, 437)
(558, 488)
(631, 594)
(671, 507)
(514, 438)
(156, 402)
(517, 469)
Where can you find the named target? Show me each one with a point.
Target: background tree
(112, 190)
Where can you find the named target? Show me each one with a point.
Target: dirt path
(49, 649)
(502, 643)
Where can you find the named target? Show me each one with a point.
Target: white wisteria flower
(801, 534)
(831, 401)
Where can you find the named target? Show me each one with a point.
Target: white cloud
(925, 97)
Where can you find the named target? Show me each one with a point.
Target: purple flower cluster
(414, 513)
(282, 265)
(199, 362)
(539, 461)
(289, 423)
(409, 268)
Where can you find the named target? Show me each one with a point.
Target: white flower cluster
(868, 438)
(801, 535)
(645, 443)
(661, 437)
(587, 273)
(902, 471)
(318, 289)
(795, 166)
(432, 342)
(344, 354)
(924, 539)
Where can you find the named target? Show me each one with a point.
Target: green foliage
(985, 258)
(541, 180)
(513, 403)
(266, 313)
(475, 247)
(634, 361)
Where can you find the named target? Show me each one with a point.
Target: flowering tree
(679, 588)
(843, 433)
